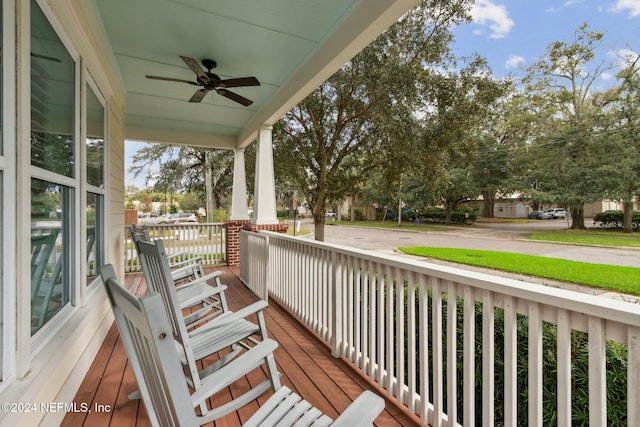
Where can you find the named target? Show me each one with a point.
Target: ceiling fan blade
(199, 95)
(195, 67)
(235, 97)
(169, 79)
(239, 82)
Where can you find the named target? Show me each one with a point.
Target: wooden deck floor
(305, 362)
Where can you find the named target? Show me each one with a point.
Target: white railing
(254, 251)
(190, 239)
(543, 349)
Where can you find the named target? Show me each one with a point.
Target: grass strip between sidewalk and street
(587, 237)
(614, 278)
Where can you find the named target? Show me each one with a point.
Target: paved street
(497, 237)
(503, 237)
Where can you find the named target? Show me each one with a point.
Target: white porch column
(239, 208)
(264, 203)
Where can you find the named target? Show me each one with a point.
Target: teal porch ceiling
(290, 46)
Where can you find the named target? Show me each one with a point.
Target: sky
(130, 148)
(512, 34)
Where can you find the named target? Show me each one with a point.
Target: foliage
(220, 214)
(170, 168)
(192, 201)
(146, 203)
(615, 219)
(616, 367)
(566, 154)
(440, 215)
(620, 179)
(364, 116)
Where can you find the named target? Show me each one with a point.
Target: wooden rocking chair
(194, 289)
(146, 334)
(184, 266)
(230, 330)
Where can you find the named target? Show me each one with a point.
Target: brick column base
(232, 243)
(279, 228)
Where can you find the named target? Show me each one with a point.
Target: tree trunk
(627, 225)
(318, 225)
(447, 214)
(353, 209)
(488, 204)
(577, 219)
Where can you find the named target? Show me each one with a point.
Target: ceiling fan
(210, 81)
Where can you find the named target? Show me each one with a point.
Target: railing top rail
(592, 305)
(251, 233)
(173, 224)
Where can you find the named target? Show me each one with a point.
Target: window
(51, 238)
(95, 140)
(95, 239)
(52, 99)
(53, 172)
(95, 212)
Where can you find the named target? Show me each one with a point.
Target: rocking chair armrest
(361, 412)
(183, 261)
(234, 370)
(184, 270)
(204, 279)
(232, 317)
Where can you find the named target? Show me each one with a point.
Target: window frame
(99, 244)
(39, 340)
(7, 192)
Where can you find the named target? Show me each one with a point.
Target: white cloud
(514, 61)
(607, 76)
(494, 16)
(622, 58)
(632, 6)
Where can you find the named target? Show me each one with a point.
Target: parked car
(554, 213)
(179, 217)
(547, 215)
(536, 214)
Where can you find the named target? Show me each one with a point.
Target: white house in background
(73, 87)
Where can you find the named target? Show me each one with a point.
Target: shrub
(616, 362)
(615, 219)
(457, 217)
(219, 215)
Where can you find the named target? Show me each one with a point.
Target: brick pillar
(279, 228)
(232, 242)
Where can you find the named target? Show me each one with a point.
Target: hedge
(615, 219)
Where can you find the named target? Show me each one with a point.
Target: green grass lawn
(303, 231)
(615, 278)
(590, 237)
